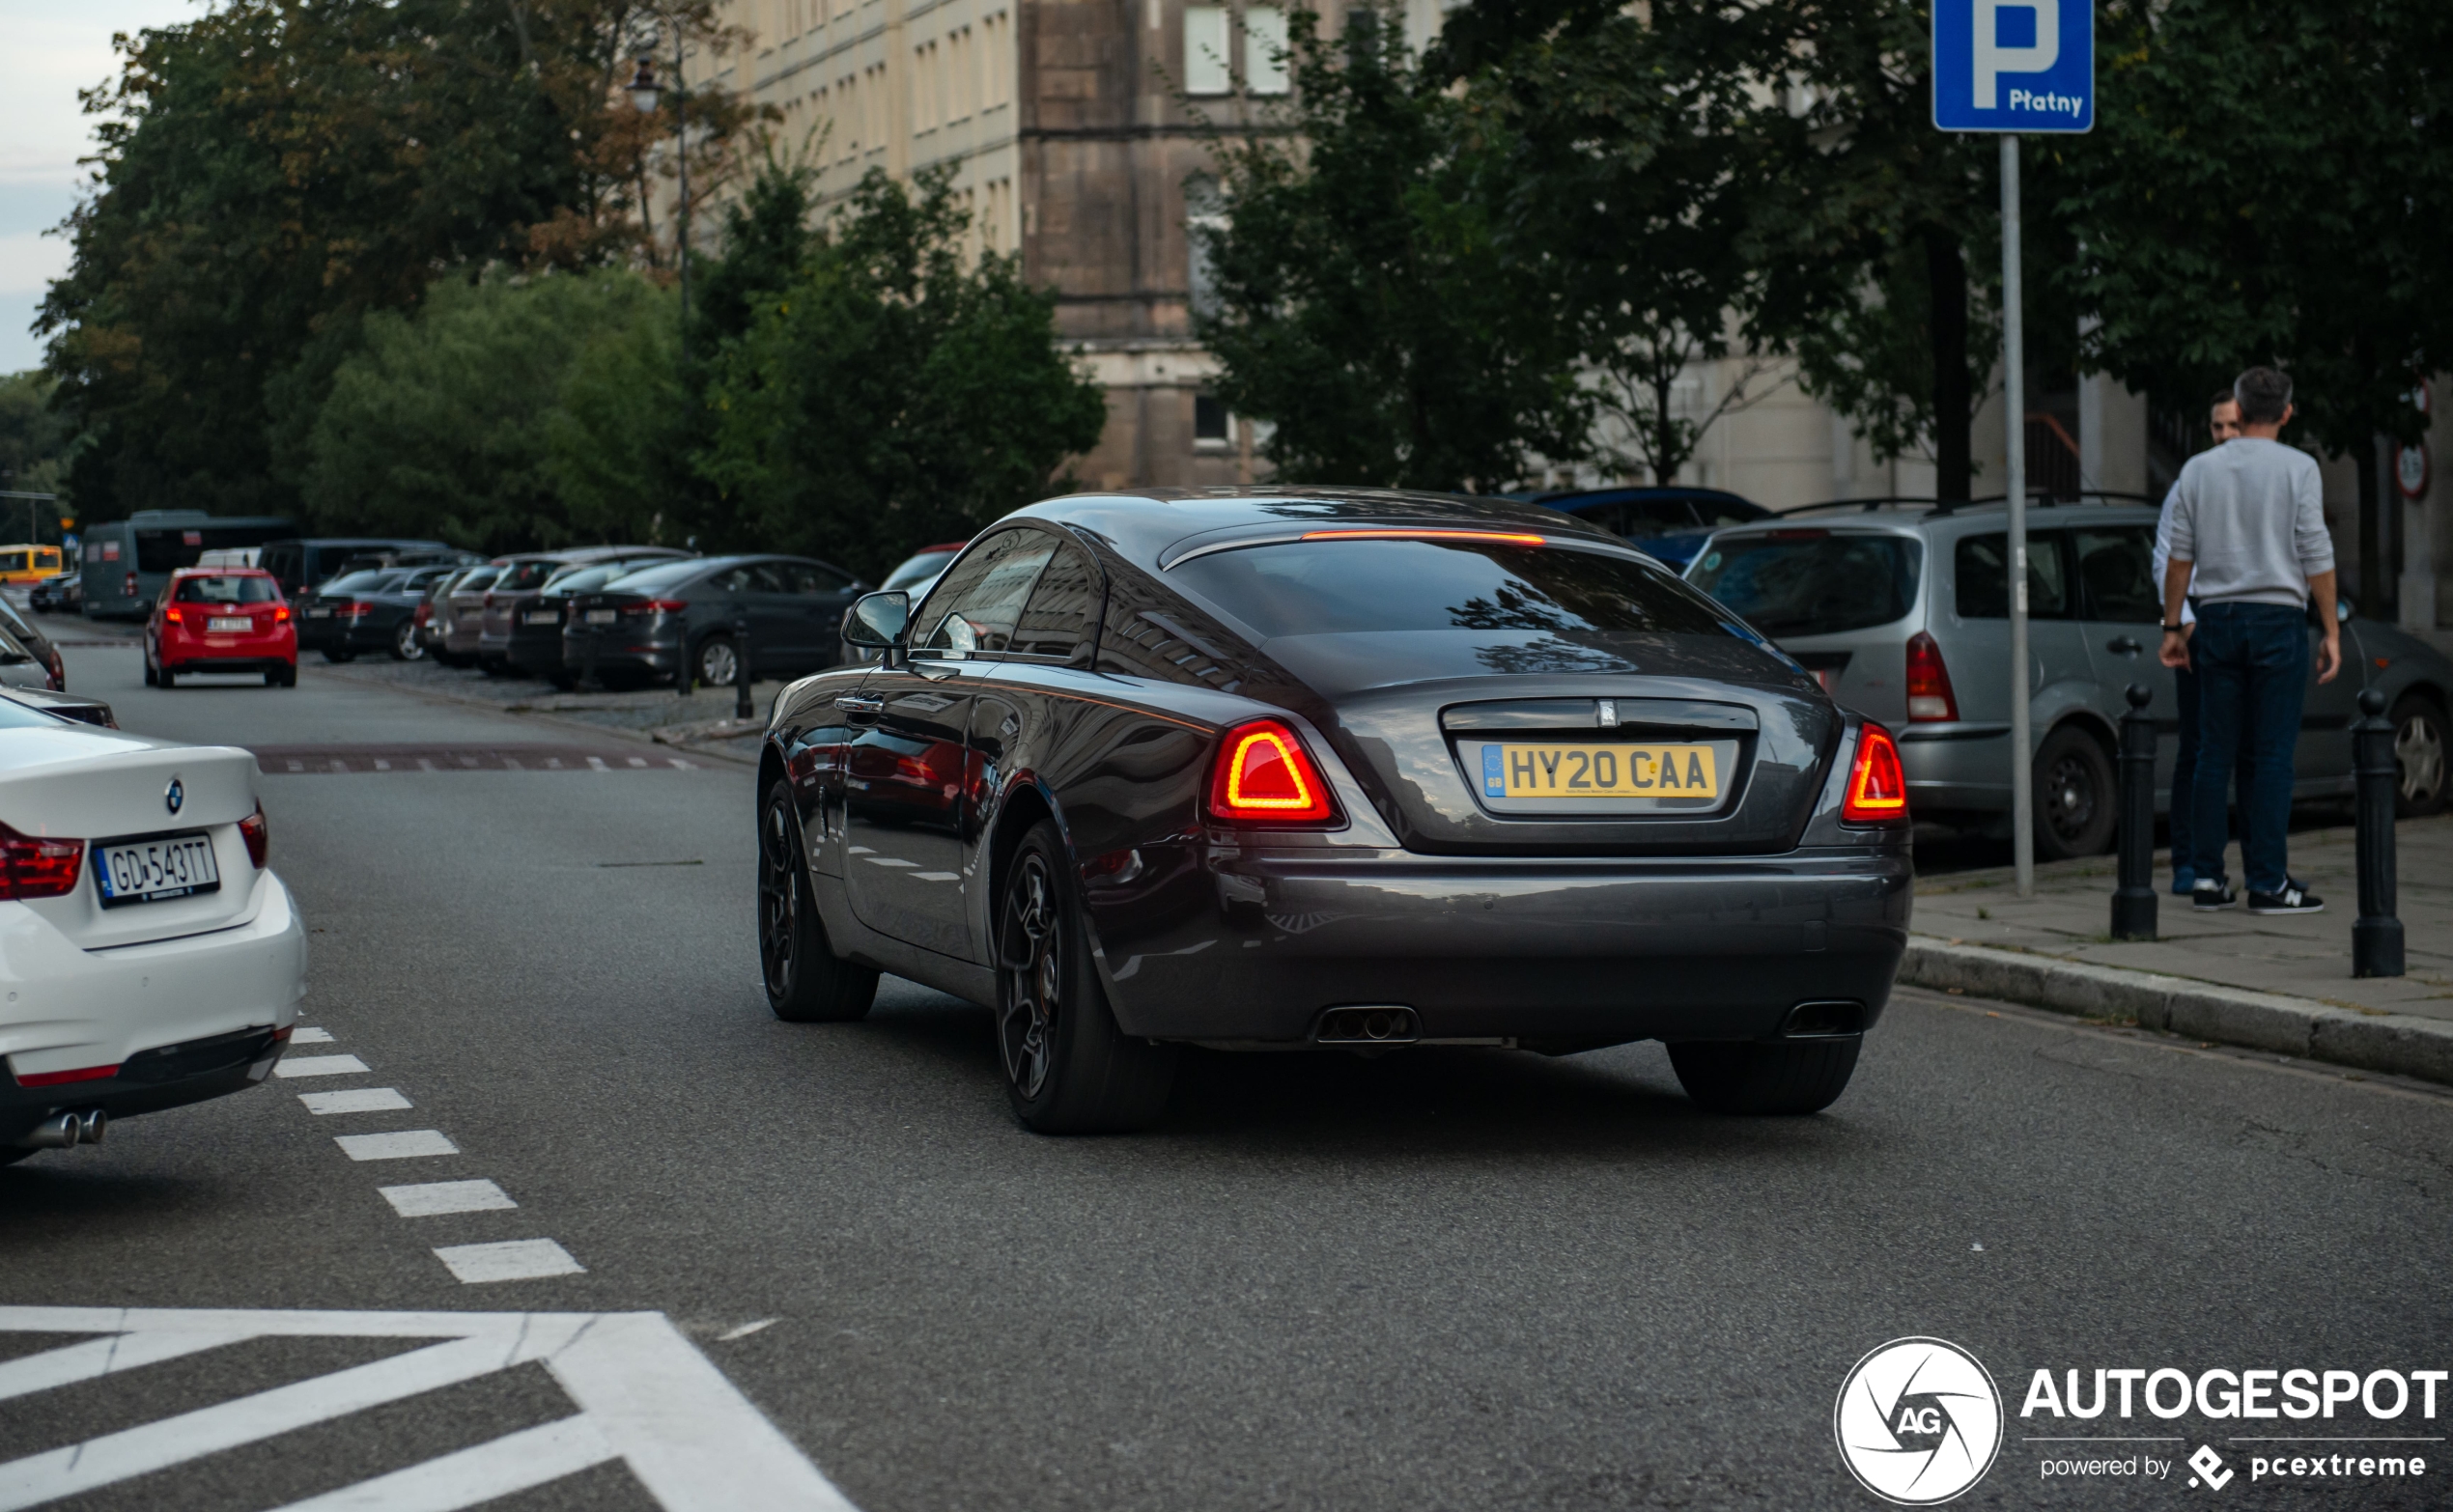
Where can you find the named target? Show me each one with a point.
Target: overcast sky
(54, 47)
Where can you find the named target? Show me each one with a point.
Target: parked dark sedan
(50, 670)
(689, 614)
(523, 578)
(536, 630)
(1339, 769)
(371, 610)
(61, 594)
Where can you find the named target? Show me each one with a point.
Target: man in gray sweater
(2248, 521)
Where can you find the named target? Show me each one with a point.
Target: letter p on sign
(2011, 37)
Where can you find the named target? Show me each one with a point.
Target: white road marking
(693, 1442)
(406, 1145)
(598, 764)
(382, 765)
(858, 850)
(358, 1100)
(508, 1260)
(434, 1198)
(468, 761)
(684, 765)
(306, 1036)
(747, 1330)
(321, 1066)
(339, 765)
(103, 1357)
(297, 766)
(890, 860)
(511, 764)
(425, 763)
(555, 763)
(641, 761)
(938, 876)
(514, 1462)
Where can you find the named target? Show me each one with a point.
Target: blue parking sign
(2014, 66)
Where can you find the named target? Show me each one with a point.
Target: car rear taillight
(257, 834)
(170, 617)
(1929, 695)
(425, 612)
(59, 673)
(130, 588)
(1877, 786)
(656, 606)
(60, 1079)
(38, 866)
(358, 609)
(281, 614)
(1265, 776)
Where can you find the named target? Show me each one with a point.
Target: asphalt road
(1441, 1279)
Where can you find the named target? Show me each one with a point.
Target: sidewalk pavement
(2281, 983)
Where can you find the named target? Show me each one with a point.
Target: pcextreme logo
(1918, 1421)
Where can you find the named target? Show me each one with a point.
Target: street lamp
(642, 88)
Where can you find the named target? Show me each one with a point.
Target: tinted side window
(978, 614)
(1063, 609)
(732, 580)
(2116, 574)
(1982, 568)
(1147, 631)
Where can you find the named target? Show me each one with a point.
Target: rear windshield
(1340, 587)
(663, 574)
(1812, 582)
(527, 575)
(368, 581)
(227, 590)
(583, 579)
(480, 577)
(920, 568)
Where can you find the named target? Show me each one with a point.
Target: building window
(924, 108)
(1205, 51)
(1265, 49)
(1211, 424)
(1205, 216)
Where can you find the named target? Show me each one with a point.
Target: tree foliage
(892, 393)
(1369, 302)
(275, 170)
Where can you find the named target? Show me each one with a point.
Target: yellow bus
(20, 565)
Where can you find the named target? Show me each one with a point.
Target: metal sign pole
(2022, 763)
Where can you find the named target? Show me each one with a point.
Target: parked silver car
(1902, 609)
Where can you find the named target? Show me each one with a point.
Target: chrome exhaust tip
(57, 1131)
(91, 1125)
(1370, 1024)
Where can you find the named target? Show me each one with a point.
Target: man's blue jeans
(2252, 679)
(2185, 689)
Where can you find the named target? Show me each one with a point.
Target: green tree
(36, 446)
(1368, 302)
(2274, 184)
(275, 170)
(446, 422)
(893, 394)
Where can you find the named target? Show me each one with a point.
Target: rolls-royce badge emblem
(174, 795)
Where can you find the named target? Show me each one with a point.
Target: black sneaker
(2292, 899)
(2211, 895)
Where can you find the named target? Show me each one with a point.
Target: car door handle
(2125, 645)
(859, 708)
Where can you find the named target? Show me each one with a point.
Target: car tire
(406, 646)
(1753, 1079)
(717, 661)
(2422, 750)
(1069, 1068)
(330, 654)
(152, 677)
(806, 981)
(165, 678)
(2077, 805)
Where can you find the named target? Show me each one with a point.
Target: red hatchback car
(221, 619)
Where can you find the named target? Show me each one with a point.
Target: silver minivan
(1902, 609)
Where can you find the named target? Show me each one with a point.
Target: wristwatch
(2173, 630)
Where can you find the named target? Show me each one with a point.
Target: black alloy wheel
(406, 646)
(1781, 1077)
(806, 981)
(2419, 755)
(1068, 1068)
(2076, 809)
(718, 662)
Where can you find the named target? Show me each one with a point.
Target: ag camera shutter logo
(1918, 1421)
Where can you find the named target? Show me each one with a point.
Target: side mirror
(2343, 610)
(877, 620)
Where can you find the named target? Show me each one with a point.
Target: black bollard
(741, 707)
(2376, 939)
(2133, 901)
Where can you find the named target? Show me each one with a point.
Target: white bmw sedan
(148, 958)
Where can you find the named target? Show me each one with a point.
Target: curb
(2368, 1040)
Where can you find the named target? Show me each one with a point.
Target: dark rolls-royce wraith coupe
(1340, 769)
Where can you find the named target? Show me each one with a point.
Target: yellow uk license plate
(1600, 771)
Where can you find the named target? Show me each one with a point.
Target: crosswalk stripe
(514, 1462)
(97, 1357)
(157, 1445)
